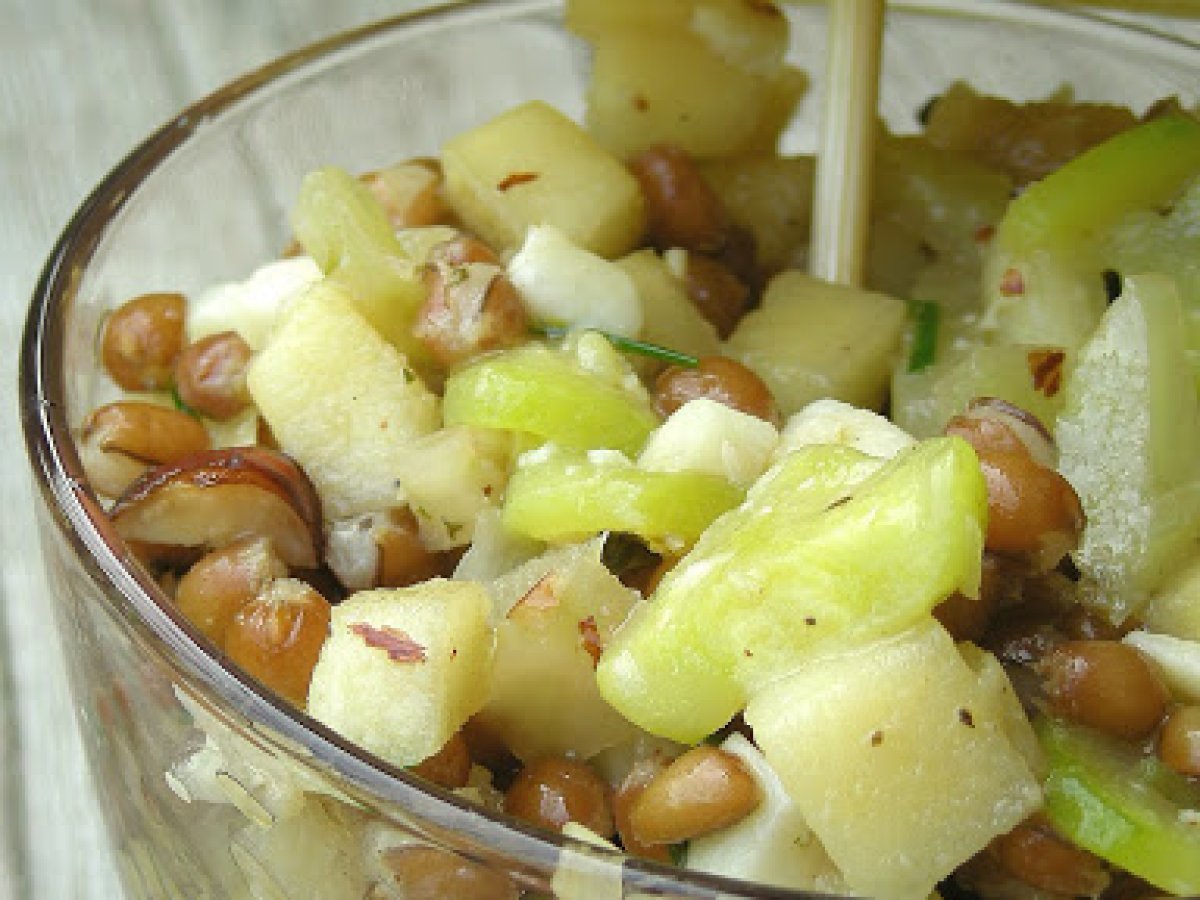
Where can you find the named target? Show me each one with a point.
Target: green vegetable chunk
(1043, 276)
(569, 496)
(832, 548)
(1124, 807)
(1142, 167)
(344, 229)
(549, 394)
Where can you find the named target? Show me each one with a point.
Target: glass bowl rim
(131, 594)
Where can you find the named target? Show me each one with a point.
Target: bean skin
(720, 379)
(1179, 741)
(683, 210)
(1043, 860)
(141, 340)
(210, 375)
(1105, 685)
(702, 791)
(554, 790)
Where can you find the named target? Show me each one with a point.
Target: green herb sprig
(624, 344)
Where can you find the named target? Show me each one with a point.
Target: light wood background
(81, 81)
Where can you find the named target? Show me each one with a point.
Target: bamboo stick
(845, 156)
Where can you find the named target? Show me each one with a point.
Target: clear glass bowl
(211, 786)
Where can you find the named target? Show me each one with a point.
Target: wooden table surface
(81, 81)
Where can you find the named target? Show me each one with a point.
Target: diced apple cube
(402, 670)
(899, 756)
(449, 477)
(654, 65)
(340, 400)
(544, 700)
(811, 339)
(534, 166)
(773, 845)
(565, 284)
(706, 436)
(656, 88)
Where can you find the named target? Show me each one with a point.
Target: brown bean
(1032, 510)
(469, 309)
(213, 590)
(681, 208)
(141, 339)
(554, 790)
(1009, 428)
(119, 441)
(1106, 685)
(1179, 741)
(702, 791)
(210, 375)
(278, 635)
(624, 798)
(1040, 858)
(716, 292)
(403, 557)
(430, 873)
(410, 193)
(720, 379)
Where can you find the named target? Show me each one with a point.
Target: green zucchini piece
(831, 549)
(549, 394)
(1126, 808)
(569, 496)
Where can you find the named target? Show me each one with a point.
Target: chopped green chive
(927, 317)
(177, 401)
(624, 344)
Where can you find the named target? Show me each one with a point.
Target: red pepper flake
(591, 638)
(512, 179)
(984, 233)
(640, 103)
(540, 597)
(399, 646)
(876, 738)
(1012, 283)
(1046, 367)
(964, 716)
(810, 621)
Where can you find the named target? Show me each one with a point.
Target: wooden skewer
(845, 157)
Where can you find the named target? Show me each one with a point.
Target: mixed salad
(542, 468)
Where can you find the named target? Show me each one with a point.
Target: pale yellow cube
(342, 401)
(905, 756)
(649, 88)
(534, 166)
(402, 670)
(544, 700)
(812, 339)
